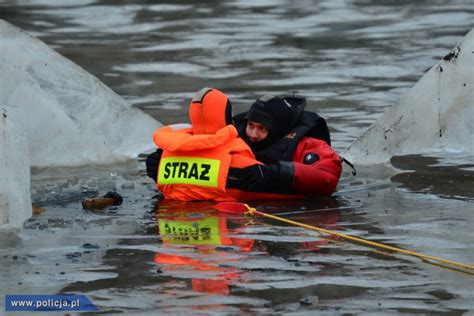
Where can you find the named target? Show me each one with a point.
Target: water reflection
(209, 265)
(218, 246)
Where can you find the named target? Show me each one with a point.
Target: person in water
(192, 162)
(294, 146)
(208, 161)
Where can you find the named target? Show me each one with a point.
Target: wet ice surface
(351, 59)
(186, 258)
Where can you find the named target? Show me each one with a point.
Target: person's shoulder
(309, 143)
(313, 140)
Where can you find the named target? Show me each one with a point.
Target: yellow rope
(253, 211)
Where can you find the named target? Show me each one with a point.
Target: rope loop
(250, 210)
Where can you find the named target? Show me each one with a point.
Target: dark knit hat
(274, 113)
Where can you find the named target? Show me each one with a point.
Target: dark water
(351, 59)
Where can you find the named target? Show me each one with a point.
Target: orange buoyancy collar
(170, 139)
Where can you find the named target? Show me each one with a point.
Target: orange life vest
(195, 167)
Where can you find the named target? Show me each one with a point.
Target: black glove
(259, 177)
(152, 163)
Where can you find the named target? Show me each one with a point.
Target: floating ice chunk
(436, 113)
(71, 117)
(53, 113)
(15, 201)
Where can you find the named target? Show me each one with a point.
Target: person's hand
(152, 163)
(258, 177)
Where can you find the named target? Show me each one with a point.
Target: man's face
(256, 132)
